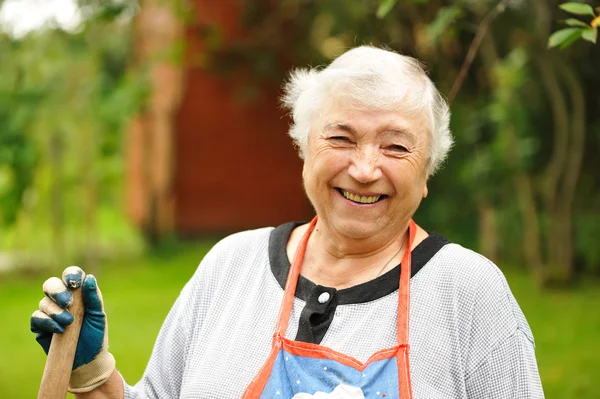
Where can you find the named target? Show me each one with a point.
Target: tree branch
(481, 31)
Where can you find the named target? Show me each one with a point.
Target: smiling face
(365, 171)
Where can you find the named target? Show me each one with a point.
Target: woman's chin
(357, 229)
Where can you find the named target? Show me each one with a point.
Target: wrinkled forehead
(346, 111)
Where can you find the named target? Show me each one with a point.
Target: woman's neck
(341, 264)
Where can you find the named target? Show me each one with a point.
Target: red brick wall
(235, 166)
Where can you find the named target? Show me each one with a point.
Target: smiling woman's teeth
(360, 199)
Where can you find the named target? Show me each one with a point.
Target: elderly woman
(329, 309)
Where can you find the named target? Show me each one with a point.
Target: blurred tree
(67, 97)
(159, 43)
(18, 156)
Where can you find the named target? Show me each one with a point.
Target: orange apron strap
(290, 285)
(404, 287)
(402, 357)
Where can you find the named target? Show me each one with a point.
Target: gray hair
(371, 78)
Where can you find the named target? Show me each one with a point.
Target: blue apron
(300, 370)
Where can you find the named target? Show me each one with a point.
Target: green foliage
(563, 38)
(385, 6)
(575, 22)
(577, 8)
(588, 229)
(446, 17)
(65, 100)
(18, 158)
(591, 35)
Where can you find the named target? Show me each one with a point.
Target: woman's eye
(397, 148)
(342, 139)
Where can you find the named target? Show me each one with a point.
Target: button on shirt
(324, 297)
(317, 315)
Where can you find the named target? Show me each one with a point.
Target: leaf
(590, 35)
(564, 37)
(445, 18)
(575, 22)
(385, 6)
(578, 9)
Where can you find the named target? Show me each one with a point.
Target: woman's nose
(364, 166)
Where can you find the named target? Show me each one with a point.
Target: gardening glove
(93, 364)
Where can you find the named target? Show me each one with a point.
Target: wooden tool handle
(59, 364)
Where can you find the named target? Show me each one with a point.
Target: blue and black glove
(93, 364)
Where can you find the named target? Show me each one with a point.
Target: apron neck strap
(292, 280)
(404, 286)
(294, 273)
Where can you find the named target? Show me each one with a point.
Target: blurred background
(135, 134)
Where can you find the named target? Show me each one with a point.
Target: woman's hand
(93, 364)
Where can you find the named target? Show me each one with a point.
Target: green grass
(566, 328)
(138, 294)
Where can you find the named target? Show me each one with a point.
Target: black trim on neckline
(366, 292)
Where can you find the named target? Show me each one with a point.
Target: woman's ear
(425, 191)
